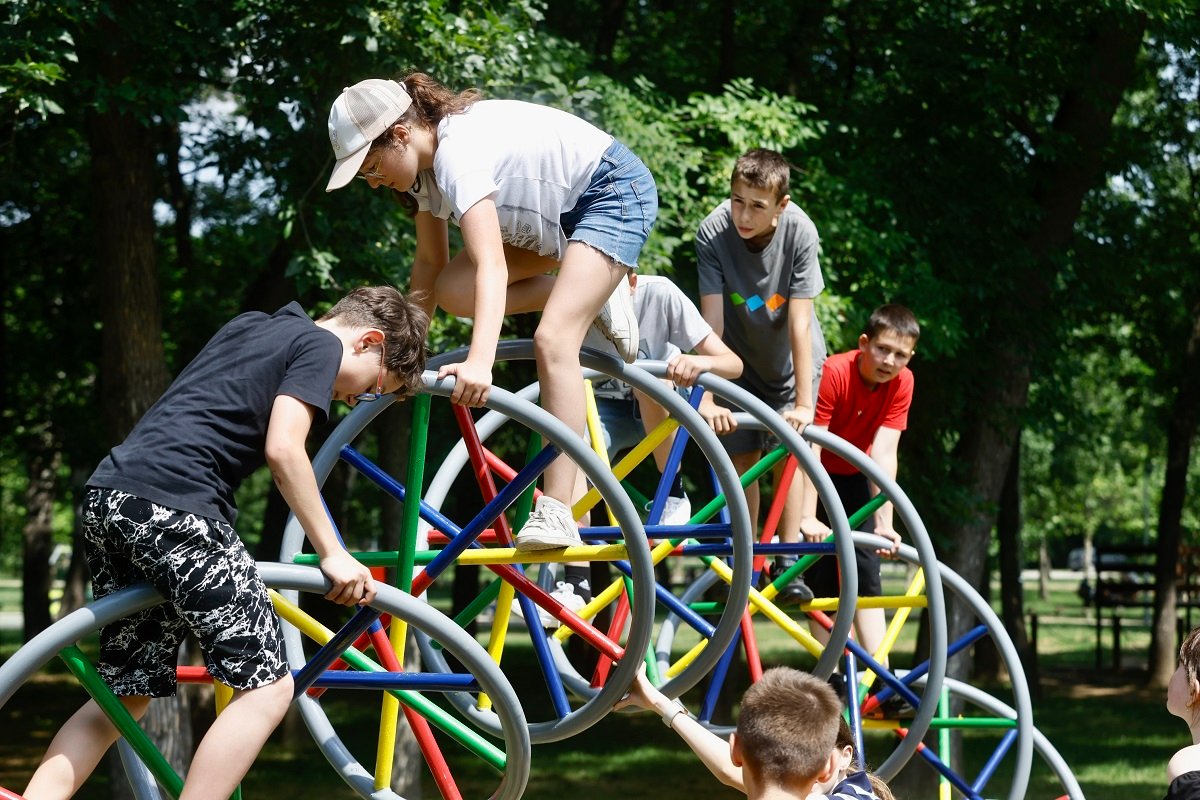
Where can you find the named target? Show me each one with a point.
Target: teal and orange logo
(754, 302)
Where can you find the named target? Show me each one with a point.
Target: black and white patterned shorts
(212, 588)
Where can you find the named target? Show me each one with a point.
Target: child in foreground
(789, 743)
(160, 508)
(1183, 700)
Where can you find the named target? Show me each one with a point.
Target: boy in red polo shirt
(864, 398)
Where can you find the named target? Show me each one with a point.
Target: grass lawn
(1109, 727)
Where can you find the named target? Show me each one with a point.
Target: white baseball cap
(358, 117)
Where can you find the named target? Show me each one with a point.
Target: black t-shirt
(195, 446)
(1185, 787)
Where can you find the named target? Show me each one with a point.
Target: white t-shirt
(533, 161)
(668, 324)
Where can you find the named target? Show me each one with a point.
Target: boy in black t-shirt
(161, 508)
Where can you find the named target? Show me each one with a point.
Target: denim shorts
(212, 588)
(616, 212)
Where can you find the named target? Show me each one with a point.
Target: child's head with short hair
(763, 169)
(1183, 691)
(402, 322)
(888, 343)
(787, 727)
(893, 318)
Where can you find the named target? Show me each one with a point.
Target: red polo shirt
(856, 412)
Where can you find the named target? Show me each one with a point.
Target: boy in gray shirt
(759, 272)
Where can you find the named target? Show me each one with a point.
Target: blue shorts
(616, 212)
(621, 421)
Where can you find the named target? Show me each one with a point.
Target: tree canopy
(1024, 176)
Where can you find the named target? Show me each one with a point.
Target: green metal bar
(418, 439)
(524, 504)
(803, 563)
(944, 742)
(639, 500)
(473, 608)
(464, 735)
(972, 722)
(83, 669)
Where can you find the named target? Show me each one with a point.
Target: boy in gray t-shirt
(670, 328)
(759, 272)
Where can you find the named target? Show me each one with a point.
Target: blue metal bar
(673, 604)
(719, 673)
(674, 457)
(968, 639)
(989, 769)
(412, 681)
(541, 647)
(799, 548)
(949, 774)
(853, 708)
(332, 650)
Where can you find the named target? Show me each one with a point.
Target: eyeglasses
(373, 172)
(900, 357)
(368, 397)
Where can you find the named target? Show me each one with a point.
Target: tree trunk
(612, 16)
(133, 370)
(38, 536)
(1012, 591)
(1060, 179)
(1181, 432)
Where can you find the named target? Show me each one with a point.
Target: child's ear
(369, 338)
(735, 750)
(863, 341)
(831, 767)
(1193, 692)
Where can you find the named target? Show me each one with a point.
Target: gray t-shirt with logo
(756, 287)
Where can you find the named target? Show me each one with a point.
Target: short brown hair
(1189, 658)
(404, 325)
(788, 726)
(894, 318)
(763, 169)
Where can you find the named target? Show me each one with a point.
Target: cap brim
(346, 168)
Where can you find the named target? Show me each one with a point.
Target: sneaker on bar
(549, 526)
(796, 591)
(617, 323)
(676, 511)
(565, 594)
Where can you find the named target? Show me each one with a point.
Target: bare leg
(585, 280)
(789, 521)
(76, 750)
(741, 463)
(870, 625)
(235, 739)
(529, 287)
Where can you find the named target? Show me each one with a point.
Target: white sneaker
(676, 511)
(565, 594)
(550, 526)
(617, 323)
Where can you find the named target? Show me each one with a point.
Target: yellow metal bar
(222, 694)
(915, 588)
(888, 601)
(495, 648)
(760, 602)
(509, 555)
(626, 465)
(596, 433)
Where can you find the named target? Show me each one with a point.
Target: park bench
(1124, 578)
